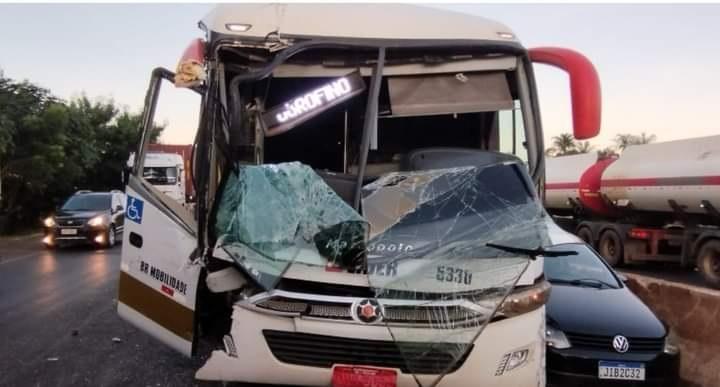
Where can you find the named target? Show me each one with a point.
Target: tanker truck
(655, 202)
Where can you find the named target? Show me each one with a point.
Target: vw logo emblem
(621, 344)
(367, 311)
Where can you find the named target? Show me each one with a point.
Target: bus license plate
(621, 370)
(349, 376)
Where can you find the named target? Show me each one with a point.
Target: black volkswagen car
(598, 332)
(86, 217)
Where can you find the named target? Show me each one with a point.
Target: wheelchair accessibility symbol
(134, 210)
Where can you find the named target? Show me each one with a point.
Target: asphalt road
(58, 323)
(59, 327)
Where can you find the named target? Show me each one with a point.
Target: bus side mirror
(584, 87)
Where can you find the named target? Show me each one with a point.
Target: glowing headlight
(556, 338)
(525, 300)
(97, 221)
(49, 222)
(672, 346)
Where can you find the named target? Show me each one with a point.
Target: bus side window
(512, 132)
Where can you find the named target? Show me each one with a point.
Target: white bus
(367, 200)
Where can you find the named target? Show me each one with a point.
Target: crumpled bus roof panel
(354, 21)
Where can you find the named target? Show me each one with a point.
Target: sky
(658, 64)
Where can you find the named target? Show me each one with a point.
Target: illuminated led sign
(301, 108)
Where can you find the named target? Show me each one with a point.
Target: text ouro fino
(314, 99)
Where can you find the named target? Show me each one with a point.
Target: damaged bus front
(367, 208)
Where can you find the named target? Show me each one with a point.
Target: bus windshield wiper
(532, 253)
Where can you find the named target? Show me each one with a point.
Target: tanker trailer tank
(656, 202)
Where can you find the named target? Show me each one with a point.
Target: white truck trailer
(656, 202)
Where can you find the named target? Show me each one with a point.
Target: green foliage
(624, 140)
(50, 148)
(565, 144)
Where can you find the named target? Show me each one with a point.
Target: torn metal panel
(432, 282)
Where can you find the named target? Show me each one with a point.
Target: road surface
(59, 327)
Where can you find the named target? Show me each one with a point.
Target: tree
(563, 144)
(50, 148)
(607, 152)
(583, 146)
(31, 147)
(646, 139)
(624, 140)
(117, 140)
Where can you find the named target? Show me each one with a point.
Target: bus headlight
(556, 338)
(49, 221)
(97, 221)
(525, 300)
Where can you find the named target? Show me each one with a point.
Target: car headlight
(97, 221)
(556, 338)
(672, 345)
(49, 221)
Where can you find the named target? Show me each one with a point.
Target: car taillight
(639, 234)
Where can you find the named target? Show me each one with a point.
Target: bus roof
(352, 21)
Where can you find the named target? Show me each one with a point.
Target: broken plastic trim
(395, 312)
(448, 216)
(422, 233)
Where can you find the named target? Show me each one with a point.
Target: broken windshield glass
(420, 246)
(432, 227)
(272, 215)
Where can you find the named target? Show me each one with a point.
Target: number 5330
(453, 274)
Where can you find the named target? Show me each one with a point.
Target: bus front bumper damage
(430, 285)
(493, 364)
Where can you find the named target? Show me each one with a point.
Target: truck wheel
(708, 261)
(586, 235)
(611, 247)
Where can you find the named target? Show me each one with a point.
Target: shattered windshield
(274, 215)
(401, 207)
(419, 243)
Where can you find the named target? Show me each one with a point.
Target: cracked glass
(445, 283)
(275, 214)
(420, 245)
